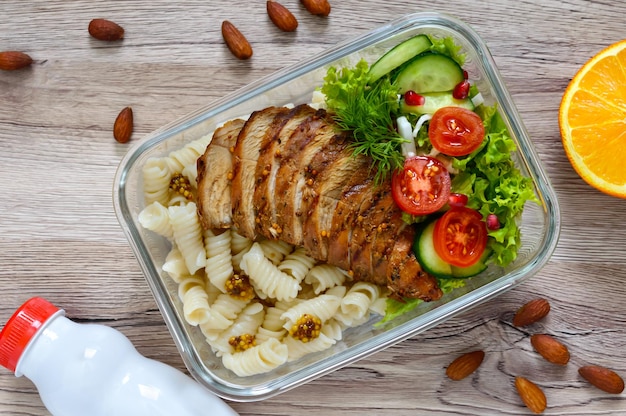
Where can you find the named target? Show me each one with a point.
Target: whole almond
(317, 7)
(465, 365)
(12, 60)
(123, 127)
(603, 378)
(550, 349)
(236, 41)
(107, 30)
(531, 394)
(281, 16)
(531, 312)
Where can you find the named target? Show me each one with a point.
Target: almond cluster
(550, 349)
(109, 31)
(100, 29)
(280, 15)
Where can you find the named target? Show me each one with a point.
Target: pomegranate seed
(457, 200)
(413, 98)
(461, 91)
(492, 222)
(465, 74)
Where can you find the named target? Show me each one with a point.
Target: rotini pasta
(191, 173)
(187, 283)
(324, 276)
(219, 264)
(196, 308)
(239, 243)
(247, 323)
(297, 264)
(323, 306)
(185, 156)
(328, 338)
(190, 170)
(263, 334)
(211, 291)
(155, 217)
(156, 181)
(256, 360)
(273, 318)
(176, 199)
(224, 310)
(355, 305)
(188, 235)
(266, 278)
(175, 265)
(275, 250)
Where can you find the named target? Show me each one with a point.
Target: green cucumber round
(399, 54)
(469, 271)
(430, 72)
(424, 248)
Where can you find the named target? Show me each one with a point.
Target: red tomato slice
(456, 131)
(422, 186)
(460, 236)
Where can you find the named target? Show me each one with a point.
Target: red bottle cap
(21, 328)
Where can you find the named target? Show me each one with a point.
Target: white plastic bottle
(94, 370)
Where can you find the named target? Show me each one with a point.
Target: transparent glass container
(540, 223)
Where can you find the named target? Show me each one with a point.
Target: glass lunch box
(540, 223)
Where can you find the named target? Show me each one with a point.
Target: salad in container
(337, 207)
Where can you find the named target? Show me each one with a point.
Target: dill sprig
(368, 111)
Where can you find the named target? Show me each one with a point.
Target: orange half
(592, 120)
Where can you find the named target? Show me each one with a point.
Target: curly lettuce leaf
(396, 308)
(447, 46)
(495, 186)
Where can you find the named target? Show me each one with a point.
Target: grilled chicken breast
(290, 174)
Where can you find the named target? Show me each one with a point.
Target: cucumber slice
(473, 270)
(430, 72)
(398, 55)
(434, 101)
(424, 248)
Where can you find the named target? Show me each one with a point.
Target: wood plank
(61, 239)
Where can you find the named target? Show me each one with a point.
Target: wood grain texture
(61, 239)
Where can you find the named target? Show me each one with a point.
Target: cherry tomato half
(422, 186)
(460, 236)
(456, 131)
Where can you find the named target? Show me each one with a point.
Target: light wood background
(60, 238)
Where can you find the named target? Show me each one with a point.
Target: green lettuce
(395, 308)
(447, 46)
(495, 186)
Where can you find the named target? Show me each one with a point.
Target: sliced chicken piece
(246, 155)
(362, 244)
(384, 240)
(325, 177)
(267, 168)
(296, 153)
(405, 276)
(362, 235)
(215, 168)
(345, 218)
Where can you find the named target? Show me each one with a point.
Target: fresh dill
(368, 111)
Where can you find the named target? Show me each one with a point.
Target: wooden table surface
(61, 239)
